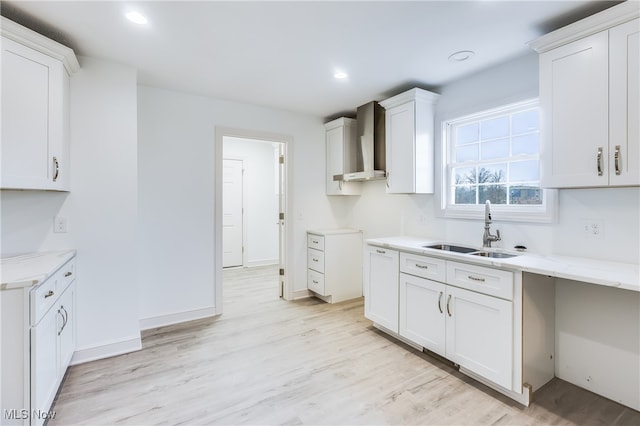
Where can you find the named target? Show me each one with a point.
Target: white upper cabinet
(409, 126)
(589, 93)
(340, 143)
(35, 110)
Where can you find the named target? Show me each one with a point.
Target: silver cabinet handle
(422, 266)
(599, 161)
(340, 185)
(314, 259)
(66, 317)
(315, 282)
(49, 294)
(440, 302)
(388, 179)
(56, 164)
(68, 274)
(381, 251)
(448, 302)
(314, 241)
(471, 277)
(62, 327)
(616, 157)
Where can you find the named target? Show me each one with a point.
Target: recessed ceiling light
(461, 56)
(340, 75)
(136, 17)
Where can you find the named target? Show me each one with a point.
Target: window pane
(464, 175)
(495, 149)
(495, 128)
(497, 194)
(526, 121)
(467, 153)
(527, 144)
(493, 173)
(465, 195)
(467, 134)
(524, 171)
(526, 195)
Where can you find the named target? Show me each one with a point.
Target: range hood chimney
(370, 145)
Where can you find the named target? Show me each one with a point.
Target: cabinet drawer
(43, 297)
(315, 241)
(315, 260)
(315, 282)
(423, 266)
(493, 282)
(67, 274)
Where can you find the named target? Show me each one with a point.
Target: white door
(232, 213)
(381, 275)
(422, 317)
(400, 137)
(574, 95)
(480, 334)
(624, 109)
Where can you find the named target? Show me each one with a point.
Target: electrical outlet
(592, 228)
(59, 224)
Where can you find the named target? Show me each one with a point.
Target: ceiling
(284, 54)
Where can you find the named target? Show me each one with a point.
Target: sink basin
(493, 254)
(447, 247)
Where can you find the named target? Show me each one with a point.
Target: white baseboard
(162, 320)
(264, 262)
(107, 350)
(300, 294)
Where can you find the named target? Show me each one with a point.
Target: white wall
(176, 195)
(597, 328)
(101, 210)
(260, 198)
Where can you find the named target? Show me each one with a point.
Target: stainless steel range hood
(370, 145)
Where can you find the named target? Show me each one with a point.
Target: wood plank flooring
(268, 361)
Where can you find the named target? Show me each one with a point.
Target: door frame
(285, 231)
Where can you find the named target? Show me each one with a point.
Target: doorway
(250, 226)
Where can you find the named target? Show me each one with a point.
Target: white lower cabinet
(381, 286)
(479, 332)
(422, 319)
(38, 342)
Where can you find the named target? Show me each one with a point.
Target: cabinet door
(400, 148)
(44, 361)
(67, 336)
(480, 334)
(624, 71)
(381, 286)
(422, 318)
(25, 117)
(340, 144)
(574, 95)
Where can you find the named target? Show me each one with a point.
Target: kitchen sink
(493, 254)
(447, 247)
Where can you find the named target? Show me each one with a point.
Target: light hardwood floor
(268, 361)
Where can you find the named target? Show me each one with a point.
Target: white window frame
(538, 213)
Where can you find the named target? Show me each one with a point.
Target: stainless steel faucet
(487, 238)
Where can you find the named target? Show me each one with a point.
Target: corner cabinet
(35, 110)
(409, 121)
(341, 155)
(38, 342)
(589, 93)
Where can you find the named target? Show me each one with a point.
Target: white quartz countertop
(333, 231)
(594, 271)
(31, 269)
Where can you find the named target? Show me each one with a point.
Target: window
(494, 155)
